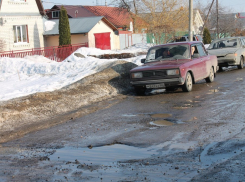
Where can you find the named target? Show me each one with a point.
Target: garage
(103, 40)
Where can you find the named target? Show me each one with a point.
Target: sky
(236, 5)
(33, 74)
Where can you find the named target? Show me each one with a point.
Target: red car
(169, 66)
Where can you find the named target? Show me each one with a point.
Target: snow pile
(32, 74)
(49, 25)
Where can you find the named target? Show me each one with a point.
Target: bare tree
(161, 18)
(132, 6)
(228, 25)
(165, 17)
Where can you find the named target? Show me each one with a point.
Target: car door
(197, 63)
(205, 61)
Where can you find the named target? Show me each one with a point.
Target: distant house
(197, 22)
(21, 24)
(73, 11)
(119, 17)
(97, 31)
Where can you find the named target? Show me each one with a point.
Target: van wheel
(210, 78)
(187, 87)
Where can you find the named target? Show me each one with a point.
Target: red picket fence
(54, 53)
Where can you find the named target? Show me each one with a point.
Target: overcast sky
(236, 5)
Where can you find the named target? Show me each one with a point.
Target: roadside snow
(32, 74)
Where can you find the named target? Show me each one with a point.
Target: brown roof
(40, 7)
(75, 11)
(118, 16)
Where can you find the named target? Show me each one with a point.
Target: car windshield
(169, 52)
(220, 44)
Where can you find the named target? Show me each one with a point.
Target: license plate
(155, 86)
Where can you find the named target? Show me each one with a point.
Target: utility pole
(190, 19)
(217, 11)
(207, 17)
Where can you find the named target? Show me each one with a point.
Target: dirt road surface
(196, 136)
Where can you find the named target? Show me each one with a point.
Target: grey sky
(235, 5)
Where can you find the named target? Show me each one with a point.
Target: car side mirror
(142, 60)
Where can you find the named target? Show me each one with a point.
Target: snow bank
(32, 74)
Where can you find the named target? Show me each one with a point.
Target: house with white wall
(197, 22)
(97, 31)
(21, 24)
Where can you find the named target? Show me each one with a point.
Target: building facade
(21, 24)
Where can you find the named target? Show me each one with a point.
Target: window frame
(53, 12)
(20, 39)
(201, 50)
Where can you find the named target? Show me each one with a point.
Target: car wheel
(240, 66)
(220, 68)
(210, 78)
(187, 87)
(140, 90)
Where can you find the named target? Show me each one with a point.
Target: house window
(55, 14)
(20, 33)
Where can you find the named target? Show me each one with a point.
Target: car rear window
(227, 43)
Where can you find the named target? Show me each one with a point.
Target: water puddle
(208, 158)
(213, 91)
(129, 115)
(239, 79)
(185, 106)
(162, 123)
(101, 155)
(165, 115)
(164, 120)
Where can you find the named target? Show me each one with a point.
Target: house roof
(74, 11)
(118, 16)
(77, 25)
(40, 7)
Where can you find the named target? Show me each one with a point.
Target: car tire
(210, 78)
(140, 90)
(220, 69)
(240, 66)
(187, 87)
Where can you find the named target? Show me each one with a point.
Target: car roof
(179, 43)
(229, 38)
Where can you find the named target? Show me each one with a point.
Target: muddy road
(196, 136)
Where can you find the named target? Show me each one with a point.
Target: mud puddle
(100, 155)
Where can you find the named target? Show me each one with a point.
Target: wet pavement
(196, 136)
